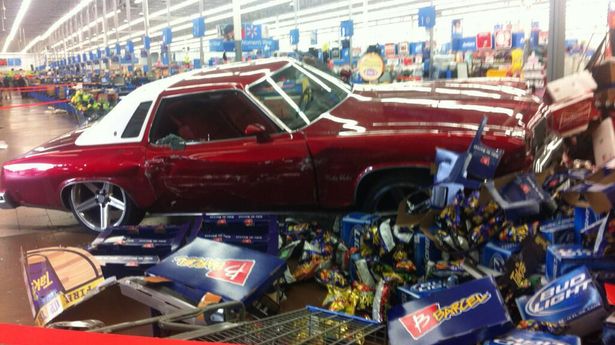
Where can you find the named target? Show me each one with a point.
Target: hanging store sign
(118, 49)
(107, 51)
(252, 32)
(371, 66)
(346, 28)
(265, 45)
(167, 35)
(198, 27)
(294, 36)
(147, 42)
(130, 47)
(483, 40)
(427, 17)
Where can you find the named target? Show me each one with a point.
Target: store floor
(21, 229)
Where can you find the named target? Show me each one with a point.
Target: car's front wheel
(98, 205)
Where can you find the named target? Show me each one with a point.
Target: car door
(221, 168)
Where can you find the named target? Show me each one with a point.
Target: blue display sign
(92, 56)
(167, 35)
(294, 36)
(198, 27)
(107, 51)
(147, 41)
(468, 44)
(98, 53)
(416, 48)
(518, 39)
(252, 32)
(427, 17)
(197, 63)
(346, 28)
(118, 49)
(265, 45)
(84, 57)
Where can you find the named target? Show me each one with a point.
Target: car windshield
(298, 95)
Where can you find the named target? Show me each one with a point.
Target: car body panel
(319, 166)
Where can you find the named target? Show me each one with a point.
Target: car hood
(443, 106)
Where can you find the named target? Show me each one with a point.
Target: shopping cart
(305, 326)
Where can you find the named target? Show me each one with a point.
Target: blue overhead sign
(167, 35)
(252, 32)
(265, 45)
(198, 27)
(294, 36)
(427, 17)
(130, 47)
(346, 28)
(118, 49)
(147, 42)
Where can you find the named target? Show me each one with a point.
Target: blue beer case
(523, 337)
(572, 299)
(465, 314)
(235, 273)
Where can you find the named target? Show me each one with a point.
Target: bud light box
(558, 231)
(495, 254)
(424, 251)
(561, 259)
(464, 314)
(354, 225)
(572, 299)
(408, 293)
(522, 337)
(235, 273)
(255, 231)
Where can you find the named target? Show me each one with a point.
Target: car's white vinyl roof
(110, 128)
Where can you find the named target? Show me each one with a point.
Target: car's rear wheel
(98, 205)
(385, 195)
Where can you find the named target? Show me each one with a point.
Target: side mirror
(259, 131)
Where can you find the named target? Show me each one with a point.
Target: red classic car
(268, 135)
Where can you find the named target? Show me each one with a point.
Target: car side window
(206, 117)
(133, 128)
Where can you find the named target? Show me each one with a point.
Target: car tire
(385, 195)
(98, 205)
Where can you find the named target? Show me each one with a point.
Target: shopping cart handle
(313, 309)
(173, 322)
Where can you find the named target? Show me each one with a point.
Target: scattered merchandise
(519, 337)
(572, 300)
(57, 279)
(465, 314)
(235, 273)
(255, 231)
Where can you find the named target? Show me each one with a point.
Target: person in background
(20, 81)
(6, 83)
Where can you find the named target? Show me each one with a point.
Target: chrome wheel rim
(98, 205)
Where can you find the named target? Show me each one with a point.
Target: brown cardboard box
(604, 74)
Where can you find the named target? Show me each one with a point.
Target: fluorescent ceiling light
(16, 23)
(57, 24)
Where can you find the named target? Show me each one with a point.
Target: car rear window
(133, 128)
